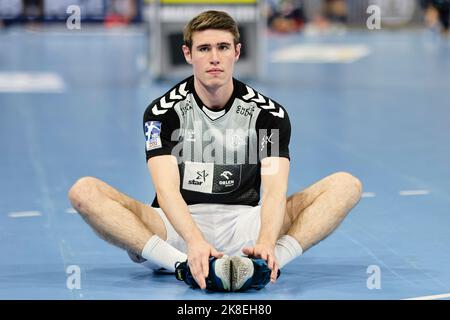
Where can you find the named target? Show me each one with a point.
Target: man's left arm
(274, 180)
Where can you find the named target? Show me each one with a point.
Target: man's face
(212, 56)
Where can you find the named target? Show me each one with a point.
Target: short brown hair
(211, 19)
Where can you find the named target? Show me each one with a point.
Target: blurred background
(162, 21)
(366, 85)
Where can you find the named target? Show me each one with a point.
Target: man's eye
(223, 48)
(203, 49)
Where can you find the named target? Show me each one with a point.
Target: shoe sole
(241, 271)
(222, 271)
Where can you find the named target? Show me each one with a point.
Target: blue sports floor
(75, 108)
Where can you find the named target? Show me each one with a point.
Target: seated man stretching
(211, 143)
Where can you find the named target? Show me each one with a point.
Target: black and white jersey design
(219, 152)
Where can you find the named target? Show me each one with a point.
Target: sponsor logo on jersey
(152, 135)
(265, 140)
(226, 183)
(195, 182)
(198, 176)
(201, 177)
(185, 108)
(245, 111)
(226, 174)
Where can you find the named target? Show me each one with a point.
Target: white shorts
(228, 228)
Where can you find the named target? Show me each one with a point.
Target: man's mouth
(214, 71)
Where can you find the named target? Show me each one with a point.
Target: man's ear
(187, 54)
(237, 52)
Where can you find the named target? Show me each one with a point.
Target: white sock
(159, 252)
(286, 250)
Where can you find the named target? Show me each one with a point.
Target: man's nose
(214, 57)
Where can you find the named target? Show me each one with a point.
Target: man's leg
(121, 220)
(314, 213)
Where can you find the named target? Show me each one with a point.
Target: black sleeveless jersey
(219, 152)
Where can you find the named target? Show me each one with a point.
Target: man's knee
(348, 183)
(82, 191)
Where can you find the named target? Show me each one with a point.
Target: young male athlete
(211, 143)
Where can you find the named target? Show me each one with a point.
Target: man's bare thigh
(147, 214)
(299, 201)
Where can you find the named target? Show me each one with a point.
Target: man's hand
(199, 252)
(266, 252)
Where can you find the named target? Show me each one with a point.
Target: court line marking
(24, 214)
(373, 255)
(433, 297)
(377, 239)
(71, 210)
(321, 53)
(401, 192)
(83, 32)
(368, 195)
(413, 192)
(31, 82)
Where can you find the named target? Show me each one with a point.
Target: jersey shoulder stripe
(263, 102)
(166, 102)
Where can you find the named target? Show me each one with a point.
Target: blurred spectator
(335, 11)
(332, 18)
(120, 12)
(286, 15)
(437, 14)
(33, 10)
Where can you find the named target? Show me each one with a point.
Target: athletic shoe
(249, 273)
(218, 278)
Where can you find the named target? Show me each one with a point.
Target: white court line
(321, 53)
(413, 192)
(85, 32)
(71, 210)
(24, 214)
(31, 82)
(433, 297)
(368, 195)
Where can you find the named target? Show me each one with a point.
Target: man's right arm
(166, 180)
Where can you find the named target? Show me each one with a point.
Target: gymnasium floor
(71, 105)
